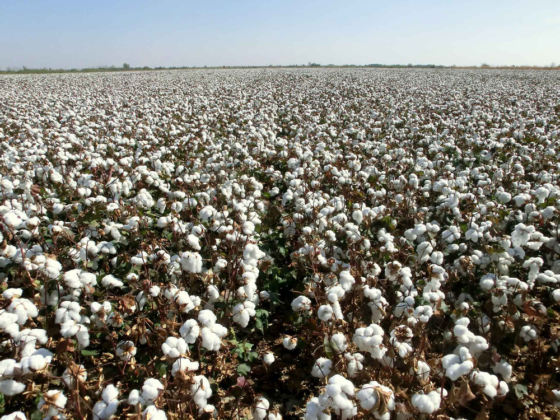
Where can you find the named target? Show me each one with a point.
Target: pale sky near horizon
(83, 33)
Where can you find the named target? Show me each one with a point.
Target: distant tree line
(128, 67)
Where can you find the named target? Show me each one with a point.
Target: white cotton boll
(126, 350)
(207, 318)
(56, 399)
(191, 262)
(242, 312)
(153, 413)
(7, 319)
(10, 387)
(190, 331)
(111, 281)
(11, 293)
(155, 291)
(193, 242)
(24, 309)
(503, 368)
(423, 403)
(200, 390)
(369, 396)
(346, 280)
(321, 368)
(184, 302)
(135, 398)
(152, 389)
(106, 408)
(248, 228)
(325, 313)
(528, 333)
(184, 365)
(301, 303)
(490, 383)
(289, 343)
(211, 337)
(16, 415)
(269, 358)
(174, 347)
(339, 343)
(355, 364)
(261, 409)
(71, 374)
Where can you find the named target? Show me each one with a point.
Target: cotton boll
(191, 262)
(184, 365)
(321, 368)
(346, 280)
(289, 343)
(107, 407)
(301, 304)
(200, 390)
(503, 368)
(261, 409)
(174, 347)
(153, 413)
(190, 331)
(151, 389)
(325, 313)
(268, 358)
(10, 387)
(16, 415)
(339, 343)
(242, 312)
(369, 396)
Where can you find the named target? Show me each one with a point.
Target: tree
(126, 66)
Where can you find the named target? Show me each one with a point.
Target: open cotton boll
(24, 309)
(153, 413)
(134, 398)
(369, 396)
(152, 389)
(8, 294)
(301, 304)
(184, 365)
(490, 383)
(212, 336)
(427, 404)
(9, 387)
(200, 390)
(72, 373)
(289, 343)
(111, 281)
(55, 400)
(321, 367)
(421, 371)
(190, 331)
(269, 358)
(346, 280)
(191, 262)
(503, 368)
(107, 407)
(339, 343)
(354, 363)
(261, 409)
(242, 313)
(16, 415)
(174, 347)
(126, 350)
(325, 313)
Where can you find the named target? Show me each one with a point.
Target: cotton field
(267, 244)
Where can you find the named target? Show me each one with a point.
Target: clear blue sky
(83, 33)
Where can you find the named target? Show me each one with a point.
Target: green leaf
(89, 353)
(243, 369)
(37, 415)
(520, 391)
